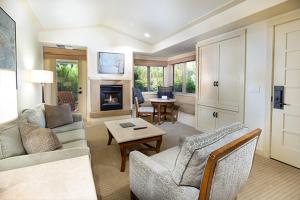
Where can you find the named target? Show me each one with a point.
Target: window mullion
(184, 78)
(148, 78)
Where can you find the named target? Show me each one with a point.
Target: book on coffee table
(127, 125)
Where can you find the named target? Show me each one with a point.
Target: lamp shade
(8, 96)
(41, 76)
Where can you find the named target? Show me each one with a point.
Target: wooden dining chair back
(143, 111)
(228, 168)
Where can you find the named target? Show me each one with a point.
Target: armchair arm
(149, 180)
(77, 117)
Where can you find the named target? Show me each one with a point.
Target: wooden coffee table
(127, 137)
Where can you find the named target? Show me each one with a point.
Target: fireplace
(111, 97)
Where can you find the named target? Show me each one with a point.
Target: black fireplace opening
(111, 97)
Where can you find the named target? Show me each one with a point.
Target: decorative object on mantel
(110, 63)
(42, 77)
(8, 58)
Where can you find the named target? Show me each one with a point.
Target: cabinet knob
(215, 114)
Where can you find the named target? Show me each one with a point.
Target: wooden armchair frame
(217, 155)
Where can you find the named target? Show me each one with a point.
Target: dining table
(159, 103)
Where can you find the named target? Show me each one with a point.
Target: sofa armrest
(77, 117)
(149, 180)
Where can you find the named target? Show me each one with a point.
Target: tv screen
(110, 63)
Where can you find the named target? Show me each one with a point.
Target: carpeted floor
(269, 179)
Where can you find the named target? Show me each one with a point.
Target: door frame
(272, 23)
(80, 54)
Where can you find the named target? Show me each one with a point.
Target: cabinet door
(231, 74)
(206, 121)
(225, 118)
(208, 64)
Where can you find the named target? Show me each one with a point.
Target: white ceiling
(159, 18)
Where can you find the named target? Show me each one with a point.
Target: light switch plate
(254, 89)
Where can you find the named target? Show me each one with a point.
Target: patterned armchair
(210, 166)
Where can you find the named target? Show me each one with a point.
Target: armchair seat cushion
(167, 158)
(146, 109)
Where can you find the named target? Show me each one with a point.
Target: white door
(206, 118)
(209, 64)
(285, 142)
(230, 74)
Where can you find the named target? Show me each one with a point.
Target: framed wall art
(8, 55)
(110, 63)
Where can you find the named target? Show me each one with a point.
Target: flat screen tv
(110, 63)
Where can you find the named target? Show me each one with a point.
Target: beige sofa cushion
(36, 139)
(70, 136)
(44, 157)
(58, 115)
(10, 141)
(69, 127)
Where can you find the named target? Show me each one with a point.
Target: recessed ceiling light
(147, 35)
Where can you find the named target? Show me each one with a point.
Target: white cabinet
(221, 76)
(205, 119)
(225, 118)
(208, 94)
(210, 118)
(231, 74)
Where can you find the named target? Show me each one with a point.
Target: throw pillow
(58, 115)
(10, 141)
(165, 91)
(35, 115)
(191, 160)
(36, 139)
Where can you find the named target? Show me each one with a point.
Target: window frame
(149, 77)
(183, 79)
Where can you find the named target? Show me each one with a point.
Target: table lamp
(42, 77)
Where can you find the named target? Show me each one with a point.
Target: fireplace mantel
(95, 98)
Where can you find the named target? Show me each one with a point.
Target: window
(148, 78)
(184, 77)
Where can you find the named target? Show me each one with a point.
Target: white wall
(97, 39)
(256, 73)
(29, 52)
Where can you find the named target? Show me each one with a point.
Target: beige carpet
(269, 179)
